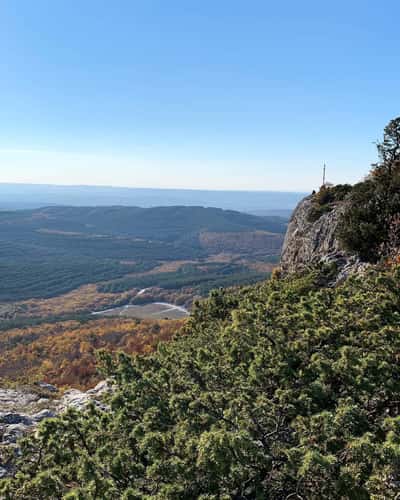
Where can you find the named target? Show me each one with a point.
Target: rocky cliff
(309, 242)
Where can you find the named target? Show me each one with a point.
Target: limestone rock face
(21, 411)
(309, 243)
(74, 398)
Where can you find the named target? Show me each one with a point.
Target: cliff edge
(311, 241)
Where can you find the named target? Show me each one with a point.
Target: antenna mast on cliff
(323, 175)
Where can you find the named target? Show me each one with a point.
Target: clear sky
(198, 94)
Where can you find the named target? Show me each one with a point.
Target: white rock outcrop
(309, 243)
(21, 411)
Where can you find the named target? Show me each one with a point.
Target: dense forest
(203, 278)
(157, 223)
(64, 353)
(51, 251)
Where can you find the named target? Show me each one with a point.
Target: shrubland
(326, 199)
(279, 390)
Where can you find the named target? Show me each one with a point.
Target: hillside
(76, 279)
(64, 353)
(278, 390)
(158, 223)
(51, 251)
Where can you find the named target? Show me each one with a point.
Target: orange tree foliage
(64, 353)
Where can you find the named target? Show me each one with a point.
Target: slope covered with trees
(64, 353)
(279, 390)
(51, 251)
(157, 223)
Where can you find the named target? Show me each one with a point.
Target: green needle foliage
(282, 390)
(370, 225)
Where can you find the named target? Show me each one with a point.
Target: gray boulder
(15, 418)
(13, 432)
(41, 415)
(47, 387)
(79, 400)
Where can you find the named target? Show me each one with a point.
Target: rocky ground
(22, 409)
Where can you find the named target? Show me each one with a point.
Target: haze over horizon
(226, 96)
(31, 196)
(133, 187)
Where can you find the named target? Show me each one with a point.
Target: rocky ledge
(311, 242)
(21, 410)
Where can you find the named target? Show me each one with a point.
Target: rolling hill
(50, 251)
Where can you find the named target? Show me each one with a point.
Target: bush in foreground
(277, 391)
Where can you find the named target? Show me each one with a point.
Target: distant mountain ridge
(157, 223)
(18, 196)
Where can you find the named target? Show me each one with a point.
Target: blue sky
(213, 94)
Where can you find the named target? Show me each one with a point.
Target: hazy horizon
(110, 186)
(17, 196)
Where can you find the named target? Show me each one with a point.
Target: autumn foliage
(64, 353)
